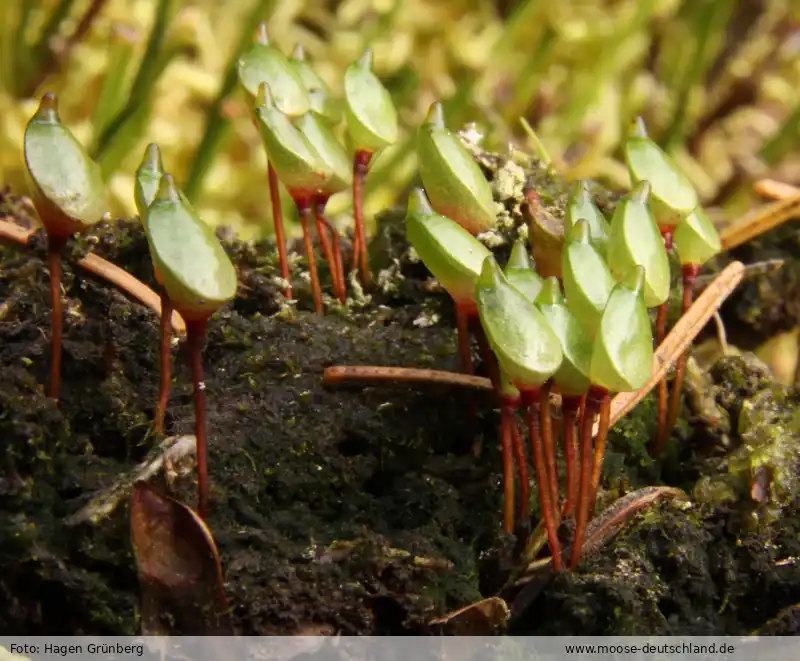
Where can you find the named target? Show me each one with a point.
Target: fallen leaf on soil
(180, 576)
(483, 618)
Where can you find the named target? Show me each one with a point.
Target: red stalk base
(195, 332)
(333, 253)
(530, 399)
(280, 236)
(304, 209)
(165, 326)
(570, 407)
(594, 402)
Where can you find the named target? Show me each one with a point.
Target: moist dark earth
(388, 474)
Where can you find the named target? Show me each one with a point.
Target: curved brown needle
(104, 269)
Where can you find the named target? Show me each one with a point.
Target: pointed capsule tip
(299, 53)
(264, 96)
(640, 192)
(418, 203)
(262, 35)
(152, 158)
(490, 273)
(639, 128)
(167, 191)
(581, 232)
(48, 108)
(519, 258)
(636, 280)
(435, 116)
(365, 61)
(551, 292)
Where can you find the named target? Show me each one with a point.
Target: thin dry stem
(775, 190)
(681, 336)
(759, 221)
(377, 374)
(103, 269)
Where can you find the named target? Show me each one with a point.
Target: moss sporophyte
(371, 126)
(146, 183)
(671, 198)
(198, 278)
(263, 63)
(586, 341)
(69, 196)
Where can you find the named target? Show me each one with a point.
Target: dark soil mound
(295, 468)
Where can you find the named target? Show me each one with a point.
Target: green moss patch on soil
(296, 468)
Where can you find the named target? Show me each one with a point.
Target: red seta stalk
(280, 236)
(333, 253)
(506, 423)
(304, 208)
(522, 464)
(165, 327)
(360, 169)
(546, 427)
(530, 400)
(570, 407)
(195, 332)
(594, 402)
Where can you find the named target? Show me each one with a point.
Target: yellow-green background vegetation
(717, 81)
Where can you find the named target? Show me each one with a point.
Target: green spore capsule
(635, 240)
(672, 197)
(370, 112)
(195, 270)
(622, 355)
(588, 283)
(572, 377)
(450, 252)
(527, 349)
(453, 181)
(521, 274)
(66, 186)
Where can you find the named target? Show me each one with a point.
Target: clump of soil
(385, 473)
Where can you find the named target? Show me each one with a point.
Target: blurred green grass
(717, 81)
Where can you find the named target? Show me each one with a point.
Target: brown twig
(759, 221)
(681, 336)
(374, 374)
(104, 269)
(775, 190)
